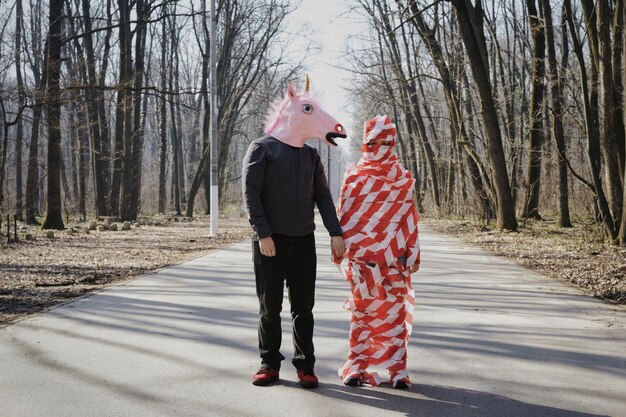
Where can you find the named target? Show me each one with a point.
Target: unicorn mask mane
(299, 117)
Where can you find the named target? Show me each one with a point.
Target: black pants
(295, 262)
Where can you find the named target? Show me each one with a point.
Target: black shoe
(401, 384)
(353, 381)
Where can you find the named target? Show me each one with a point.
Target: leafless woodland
(507, 110)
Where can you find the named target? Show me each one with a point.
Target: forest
(508, 111)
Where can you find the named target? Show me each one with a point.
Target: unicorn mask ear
(292, 93)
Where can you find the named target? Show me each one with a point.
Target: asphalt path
(490, 339)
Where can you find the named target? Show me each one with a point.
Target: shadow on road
(441, 401)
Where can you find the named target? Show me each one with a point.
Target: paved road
(491, 339)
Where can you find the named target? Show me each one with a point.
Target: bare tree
(162, 115)
(38, 65)
(133, 143)
(4, 144)
(99, 142)
(471, 22)
(19, 133)
(606, 109)
(453, 100)
(53, 218)
(178, 182)
(556, 111)
(533, 179)
(247, 30)
(463, 81)
(588, 87)
(123, 114)
(622, 232)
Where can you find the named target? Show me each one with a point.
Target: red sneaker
(264, 376)
(307, 378)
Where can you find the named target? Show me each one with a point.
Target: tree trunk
(163, 117)
(593, 145)
(453, 101)
(181, 137)
(198, 179)
(74, 151)
(508, 93)
(54, 218)
(606, 109)
(176, 157)
(533, 174)
(516, 147)
(19, 134)
(556, 111)
(410, 104)
(477, 171)
(75, 119)
(133, 162)
(206, 127)
(192, 152)
(618, 89)
(32, 176)
(105, 137)
(622, 231)
(470, 19)
(78, 148)
(4, 145)
(123, 112)
(101, 171)
(201, 178)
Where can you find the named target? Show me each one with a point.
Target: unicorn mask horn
(299, 117)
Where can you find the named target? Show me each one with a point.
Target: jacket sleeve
(324, 199)
(253, 176)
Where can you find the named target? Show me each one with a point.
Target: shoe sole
(309, 384)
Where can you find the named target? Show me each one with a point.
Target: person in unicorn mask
(283, 179)
(379, 222)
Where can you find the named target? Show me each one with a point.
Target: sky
(331, 25)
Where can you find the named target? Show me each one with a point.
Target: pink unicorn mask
(300, 117)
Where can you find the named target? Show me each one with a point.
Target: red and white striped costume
(379, 223)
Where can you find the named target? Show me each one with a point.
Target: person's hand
(337, 247)
(267, 247)
(414, 268)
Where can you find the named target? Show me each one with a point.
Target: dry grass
(35, 275)
(577, 255)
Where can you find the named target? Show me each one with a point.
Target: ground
(38, 274)
(578, 255)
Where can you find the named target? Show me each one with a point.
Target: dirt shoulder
(38, 274)
(577, 255)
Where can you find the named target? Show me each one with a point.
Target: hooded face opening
(378, 139)
(379, 142)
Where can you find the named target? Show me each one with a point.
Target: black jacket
(281, 185)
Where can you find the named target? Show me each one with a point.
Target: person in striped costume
(379, 222)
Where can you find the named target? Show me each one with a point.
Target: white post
(214, 209)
